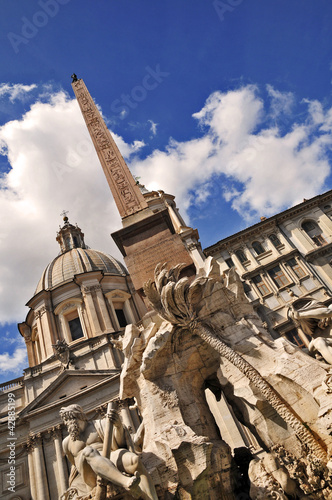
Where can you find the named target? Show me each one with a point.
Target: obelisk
(126, 193)
(149, 235)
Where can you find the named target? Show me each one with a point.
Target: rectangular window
(75, 328)
(121, 318)
(262, 288)
(278, 276)
(298, 270)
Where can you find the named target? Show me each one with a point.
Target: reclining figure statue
(84, 449)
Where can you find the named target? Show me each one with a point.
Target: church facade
(85, 299)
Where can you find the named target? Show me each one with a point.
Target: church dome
(75, 258)
(76, 261)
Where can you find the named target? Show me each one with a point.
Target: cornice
(318, 252)
(268, 223)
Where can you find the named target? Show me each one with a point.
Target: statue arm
(66, 451)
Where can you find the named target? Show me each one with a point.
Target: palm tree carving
(177, 301)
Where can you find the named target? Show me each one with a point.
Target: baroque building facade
(282, 258)
(85, 299)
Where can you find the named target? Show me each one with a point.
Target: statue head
(74, 418)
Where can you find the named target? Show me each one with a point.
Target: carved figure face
(75, 420)
(75, 426)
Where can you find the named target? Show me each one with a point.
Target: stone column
(62, 472)
(30, 447)
(90, 309)
(40, 335)
(31, 354)
(301, 236)
(103, 310)
(196, 253)
(238, 264)
(40, 470)
(252, 255)
(325, 224)
(48, 334)
(269, 282)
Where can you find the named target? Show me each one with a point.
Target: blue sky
(226, 104)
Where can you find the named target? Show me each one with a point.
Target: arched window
(257, 246)
(274, 240)
(314, 232)
(241, 256)
(71, 319)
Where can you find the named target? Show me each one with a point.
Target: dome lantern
(69, 236)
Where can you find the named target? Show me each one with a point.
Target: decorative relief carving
(55, 432)
(90, 289)
(177, 302)
(44, 309)
(62, 353)
(70, 305)
(308, 472)
(194, 246)
(111, 160)
(33, 441)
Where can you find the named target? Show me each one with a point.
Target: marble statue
(84, 448)
(204, 330)
(314, 318)
(183, 303)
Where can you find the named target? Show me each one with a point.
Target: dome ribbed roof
(76, 261)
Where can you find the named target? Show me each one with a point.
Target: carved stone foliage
(310, 474)
(90, 289)
(182, 304)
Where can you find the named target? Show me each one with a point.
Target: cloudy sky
(226, 104)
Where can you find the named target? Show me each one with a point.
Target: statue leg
(131, 464)
(106, 469)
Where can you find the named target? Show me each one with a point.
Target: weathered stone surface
(266, 381)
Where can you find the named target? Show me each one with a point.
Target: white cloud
(13, 363)
(15, 90)
(265, 170)
(281, 102)
(54, 167)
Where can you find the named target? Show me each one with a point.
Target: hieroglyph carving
(126, 194)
